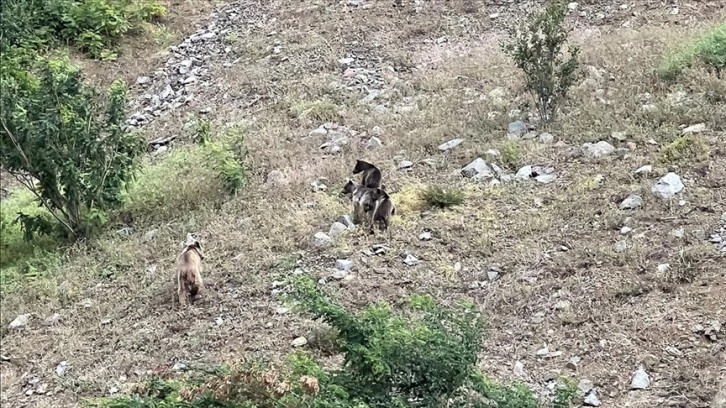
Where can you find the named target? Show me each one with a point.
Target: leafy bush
(61, 142)
(437, 196)
(422, 356)
(537, 49)
(94, 26)
(709, 50)
(226, 157)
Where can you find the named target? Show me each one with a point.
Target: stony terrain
(597, 248)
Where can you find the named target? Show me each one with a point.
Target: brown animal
(371, 174)
(383, 211)
(363, 202)
(189, 270)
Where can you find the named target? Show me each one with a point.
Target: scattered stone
(584, 386)
(149, 236)
(19, 321)
(346, 220)
(519, 369)
(318, 132)
(640, 380)
(598, 150)
(573, 363)
(679, 232)
(450, 144)
(377, 131)
(529, 135)
(337, 229)
(345, 62)
(52, 320)
(299, 342)
(546, 178)
(562, 305)
(546, 138)
(340, 275)
(410, 260)
(572, 6)
(619, 136)
(516, 129)
(478, 168)
(321, 240)
(591, 399)
(631, 202)
(698, 128)
(668, 186)
(343, 264)
(425, 236)
(647, 169)
(405, 164)
(544, 351)
(282, 310)
(179, 366)
(374, 143)
(524, 173)
(143, 80)
(620, 246)
(62, 368)
(625, 230)
(219, 321)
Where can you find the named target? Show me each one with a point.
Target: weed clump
(709, 50)
(441, 197)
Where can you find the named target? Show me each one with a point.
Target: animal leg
(181, 290)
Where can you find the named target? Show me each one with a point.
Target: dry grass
(561, 281)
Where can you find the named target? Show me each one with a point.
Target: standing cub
(371, 174)
(363, 202)
(189, 270)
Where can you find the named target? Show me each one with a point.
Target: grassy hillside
(556, 265)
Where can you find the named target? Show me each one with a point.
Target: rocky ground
(597, 247)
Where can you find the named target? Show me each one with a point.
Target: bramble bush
(423, 356)
(66, 144)
(537, 49)
(93, 26)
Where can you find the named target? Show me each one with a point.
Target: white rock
(450, 144)
(405, 164)
(19, 321)
(62, 368)
(632, 201)
(597, 150)
(299, 342)
(478, 168)
(697, 128)
(524, 173)
(620, 246)
(619, 136)
(546, 138)
(343, 264)
(321, 240)
(625, 230)
(591, 399)
(374, 143)
(425, 236)
(668, 186)
(543, 351)
(318, 132)
(644, 169)
(640, 380)
(546, 178)
(337, 229)
(519, 369)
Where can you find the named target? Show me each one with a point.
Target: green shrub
(94, 26)
(422, 356)
(65, 145)
(710, 50)
(441, 197)
(537, 49)
(226, 157)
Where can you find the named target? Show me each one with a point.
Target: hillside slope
(554, 262)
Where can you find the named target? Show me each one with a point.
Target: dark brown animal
(362, 199)
(189, 271)
(383, 211)
(371, 174)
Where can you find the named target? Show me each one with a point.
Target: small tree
(60, 142)
(537, 49)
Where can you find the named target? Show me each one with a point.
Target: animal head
(193, 243)
(348, 188)
(361, 165)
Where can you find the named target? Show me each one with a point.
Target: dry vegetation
(561, 283)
